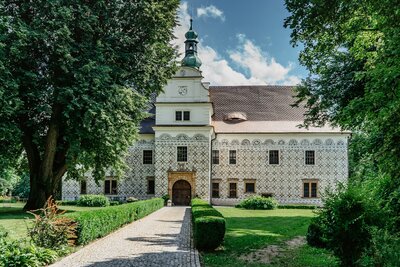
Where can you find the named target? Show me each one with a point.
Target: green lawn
(249, 230)
(15, 221)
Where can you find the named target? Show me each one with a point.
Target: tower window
(182, 153)
(182, 115)
(232, 156)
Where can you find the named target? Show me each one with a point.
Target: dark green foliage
(93, 201)
(115, 203)
(343, 224)
(208, 225)
(23, 254)
(21, 189)
(259, 203)
(75, 81)
(315, 233)
(302, 207)
(166, 198)
(97, 223)
(66, 202)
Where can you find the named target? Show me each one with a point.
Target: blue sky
(242, 42)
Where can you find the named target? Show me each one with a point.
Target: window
(150, 186)
(110, 187)
(178, 115)
(215, 156)
(186, 115)
(83, 187)
(182, 115)
(250, 187)
(147, 156)
(310, 157)
(215, 190)
(274, 157)
(232, 156)
(232, 190)
(182, 153)
(310, 189)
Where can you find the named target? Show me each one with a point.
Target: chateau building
(223, 144)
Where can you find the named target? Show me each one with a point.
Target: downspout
(211, 165)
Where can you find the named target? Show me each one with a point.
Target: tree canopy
(75, 79)
(352, 52)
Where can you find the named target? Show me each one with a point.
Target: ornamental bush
(93, 201)
(259, 203)
(23, 254)
(93, 224)
(208, 225)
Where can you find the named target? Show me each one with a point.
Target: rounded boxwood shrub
(208, 225)
(93, 201)
(259, 203)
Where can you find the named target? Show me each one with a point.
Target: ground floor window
(310, 189)
(83, 187)
(233, 190)
(250, 187)
(215, 190)
(150, 186)
(110, 187)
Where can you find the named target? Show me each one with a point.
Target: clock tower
(183, 131)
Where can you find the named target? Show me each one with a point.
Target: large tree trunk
(38, 194)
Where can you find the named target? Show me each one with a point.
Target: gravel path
(161, 239)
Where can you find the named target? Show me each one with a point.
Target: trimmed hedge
(93, 224)
(208, 225)
(301, 207)
(66, 202)
(93, 201)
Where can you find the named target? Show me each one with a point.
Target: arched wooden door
(181, 193)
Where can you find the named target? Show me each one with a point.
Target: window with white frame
(232, 156)
(215, 156)
(215, 190)
(110, 186)
(182, 115)
(310, 188)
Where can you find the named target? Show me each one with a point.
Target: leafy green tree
(75, 78)
(352, 52)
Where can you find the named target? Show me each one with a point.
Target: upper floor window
(274, 157)
(232, 156)
(215, 156)
(110, 187)
(310, 157)
(147, 156)
(182, 153)
(182, 115)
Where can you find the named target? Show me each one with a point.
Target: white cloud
(210, 11)
(218, 71)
